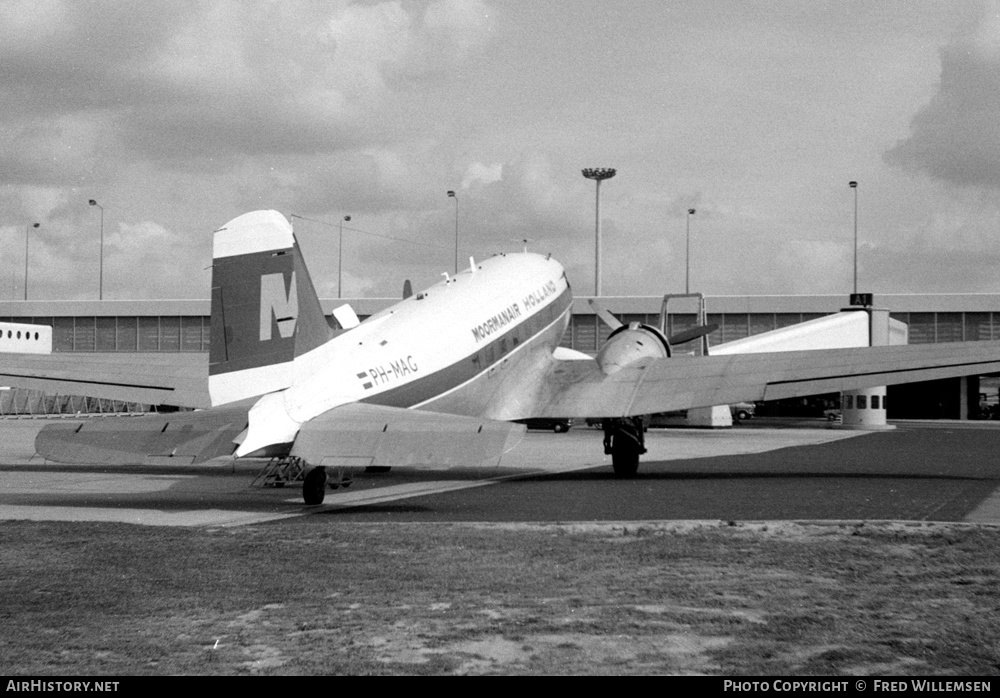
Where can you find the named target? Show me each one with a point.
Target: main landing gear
(624, 442)
(317, 480)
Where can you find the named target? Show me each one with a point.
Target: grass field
(671, 598)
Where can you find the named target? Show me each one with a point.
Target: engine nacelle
(628, 344)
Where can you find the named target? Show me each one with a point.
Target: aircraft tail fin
(265, 311)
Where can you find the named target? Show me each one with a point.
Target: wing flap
(179, 379)
(359, 435)
(579, 389)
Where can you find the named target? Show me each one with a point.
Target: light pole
(687, 253)
(854, 186)
(340, 254)
(27, 229)
(100, 292)
(451, 194)
(598, 175)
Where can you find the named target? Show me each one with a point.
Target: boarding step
(291, 470)
(280, 472)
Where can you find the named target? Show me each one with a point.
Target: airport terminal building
(183, 326)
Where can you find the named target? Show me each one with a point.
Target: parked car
(557, 425)
(742, 410)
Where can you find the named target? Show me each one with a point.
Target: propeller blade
(606, 317)
(693, 333)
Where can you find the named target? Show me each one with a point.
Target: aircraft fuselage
(450, 349)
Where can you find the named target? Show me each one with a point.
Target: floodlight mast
(854, 185)
(687, 253)
(598, 175)
(27, 229)
(100, 286)
(340, 256)
(453, 195)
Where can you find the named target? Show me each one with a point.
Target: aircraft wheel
(314, 486)
(625, 457)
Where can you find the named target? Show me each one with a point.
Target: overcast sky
(177, 116)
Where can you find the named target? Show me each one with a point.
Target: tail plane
(265, 311)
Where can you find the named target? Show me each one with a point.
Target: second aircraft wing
(581, 389)
(179, 379)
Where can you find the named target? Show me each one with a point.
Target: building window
(862, 402)
(62, 334)
(761, 322)
(848, 402)
(106, 333)
(83, 334)
(170, 333)
(874, 402)
(191, 333)
(127, 327)
(949, 327)
(149, 334)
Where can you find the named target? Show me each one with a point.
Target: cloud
(146, 260)
(477, 172)
(956, 136)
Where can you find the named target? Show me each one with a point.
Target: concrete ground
(799, 470)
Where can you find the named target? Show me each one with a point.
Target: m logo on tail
(278, 302)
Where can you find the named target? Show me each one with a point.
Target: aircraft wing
(360, 435)
(179, 379)
(353, 435)
(581, 389)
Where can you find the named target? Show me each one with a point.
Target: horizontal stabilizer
(358, 435)
(179, 438)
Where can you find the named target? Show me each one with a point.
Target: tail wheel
(314, 486)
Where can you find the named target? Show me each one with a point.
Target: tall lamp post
(687, 253)
(100, 292)
(598, 175)
(27, 229)
(340, 255)
(451, 194)
(854, 186)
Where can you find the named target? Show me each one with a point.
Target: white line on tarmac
(379, 495)
(145, 517)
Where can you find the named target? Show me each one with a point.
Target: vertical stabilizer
(265, 311)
